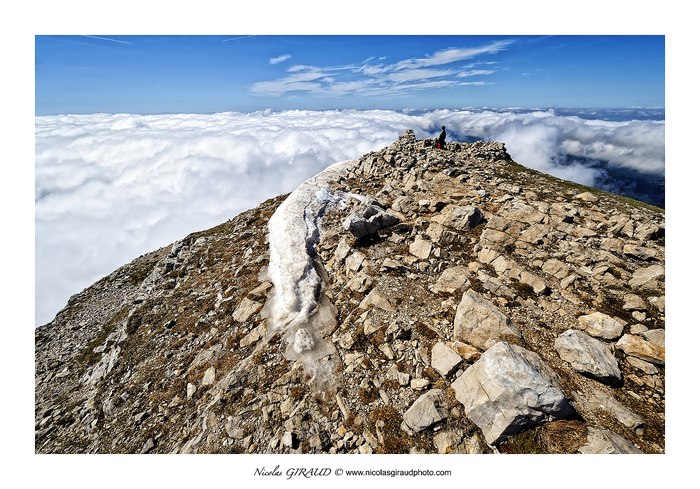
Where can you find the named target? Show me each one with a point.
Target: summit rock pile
(480, 307)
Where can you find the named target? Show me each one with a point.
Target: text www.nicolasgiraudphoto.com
(302, 472)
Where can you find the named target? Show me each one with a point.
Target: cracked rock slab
(505, 391)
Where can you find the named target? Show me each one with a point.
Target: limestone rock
(656, 336)
(587, 196)
(503, 393)
(428, 409)
(555, 267)
(354, 262)
(376, 299)
(519, 211)
(634, 303)
(359, 226)
(588, 355)
(444, 359)
(451, 280)
(607, 442)
(639, 252)
(623, 414)
(461, 218)
(360, 283)
(420, 248)
(600, 325)
(479, 322)
(209, 376)
(468, 352)
(245, 310)
(644, 350)
(342, 250)
(644, 276)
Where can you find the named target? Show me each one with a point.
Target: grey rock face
(503, 393)
(588, 355)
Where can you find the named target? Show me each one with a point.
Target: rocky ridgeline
(481, 307)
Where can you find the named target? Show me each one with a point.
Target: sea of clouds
(109, 188)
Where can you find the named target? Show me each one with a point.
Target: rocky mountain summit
(417, 300)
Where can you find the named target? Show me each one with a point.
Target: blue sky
(208, 74)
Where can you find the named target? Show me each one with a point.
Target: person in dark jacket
(441, 139)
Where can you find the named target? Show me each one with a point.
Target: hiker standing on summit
(441, 139)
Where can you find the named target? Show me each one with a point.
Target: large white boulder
(508, 389)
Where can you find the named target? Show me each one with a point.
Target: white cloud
(463, 74)
(451, 55)
(367, 79)
(109, 188)
(279, 59)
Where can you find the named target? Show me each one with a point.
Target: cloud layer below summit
(111, 187)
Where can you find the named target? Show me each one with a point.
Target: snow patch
(297, 306)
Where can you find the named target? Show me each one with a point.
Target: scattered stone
(420, 248)
(460, 218)
(587, 197)
(622, 413)
(639, 252)
(245, 310)
(444, 359)
(606, 442)
(354, 262)
(420, 384)
(640, 348)
(647, 276)
(588, 355)
(646, 367)
(634, 303)
(656, 336)
(209, 376)
(600, 325)
(467, 352)
(447, 441)
(376, 299)
(181, 318)
(428, 409)
(480, 323)
(401, 377)
(451, 280)
(555, 267)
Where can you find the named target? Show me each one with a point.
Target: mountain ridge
(433, 262)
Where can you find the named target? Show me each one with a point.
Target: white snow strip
(298, 301)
